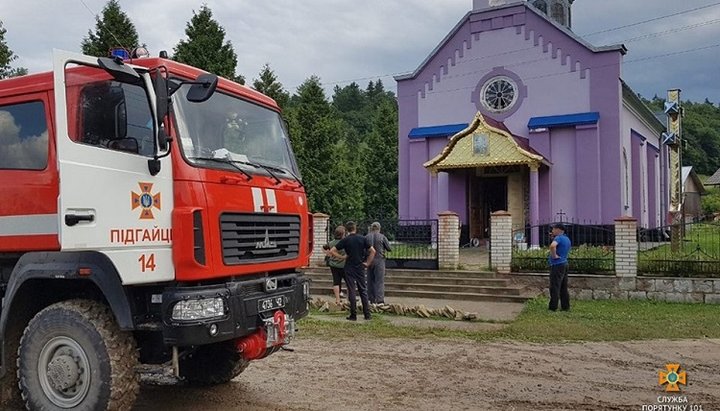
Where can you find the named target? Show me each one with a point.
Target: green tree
(206, 47)
(268, 84)
(114, 29)
(351, 104)
(7, 56)
(333, 183)
(381, 186)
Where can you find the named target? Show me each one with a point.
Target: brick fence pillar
(320, 238)
(448, 240)
(501, 241)
(626, 247)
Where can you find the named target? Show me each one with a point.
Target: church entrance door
(487, 195)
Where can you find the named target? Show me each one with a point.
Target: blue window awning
(564, 120)
(437, 131)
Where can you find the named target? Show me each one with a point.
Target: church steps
(438, 295)
(420, 273)
(436, 280)
(450, 285)
(327, 283)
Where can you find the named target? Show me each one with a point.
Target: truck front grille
(253, 238)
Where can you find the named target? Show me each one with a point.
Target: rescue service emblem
(145, 200)
(672, 377)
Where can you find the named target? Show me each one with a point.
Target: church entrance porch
(502, 174)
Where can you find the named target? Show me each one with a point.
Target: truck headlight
(199, 309)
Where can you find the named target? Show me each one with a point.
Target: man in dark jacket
(376, 270)
(356, 247)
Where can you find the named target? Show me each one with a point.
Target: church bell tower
(558, 10)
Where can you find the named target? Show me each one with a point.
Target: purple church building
(513, 111)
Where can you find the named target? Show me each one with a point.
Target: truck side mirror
(202, 88)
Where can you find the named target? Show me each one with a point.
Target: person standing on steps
(558, 259)
(337, 265)
(356, 247)
(376, 270)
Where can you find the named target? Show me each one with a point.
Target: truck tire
(212, 364)
(73, 355)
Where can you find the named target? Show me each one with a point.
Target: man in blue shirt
(559, 250)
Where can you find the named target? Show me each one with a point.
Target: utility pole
(673, 139)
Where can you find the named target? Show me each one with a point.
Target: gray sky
(340, 40)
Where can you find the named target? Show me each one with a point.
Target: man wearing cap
(376, 270)
(559, 250)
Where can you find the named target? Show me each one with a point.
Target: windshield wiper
(287, 170)
(225, 161)
(264, 167)
(280, 169)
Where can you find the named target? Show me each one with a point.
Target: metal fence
(414, 243)
(593, 248)
(680, 250)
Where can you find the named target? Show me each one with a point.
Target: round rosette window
(499, 94)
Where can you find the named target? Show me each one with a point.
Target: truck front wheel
(72, 355)
(212, 364)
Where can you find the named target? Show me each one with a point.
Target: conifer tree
(114, 29)
(7, 56)
(334, 183)
(268, 84)
(381, 188)
(206, 47)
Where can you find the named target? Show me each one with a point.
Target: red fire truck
(152, 221)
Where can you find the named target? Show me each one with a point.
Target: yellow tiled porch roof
(502, 149)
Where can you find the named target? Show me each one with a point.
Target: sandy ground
(437, 374)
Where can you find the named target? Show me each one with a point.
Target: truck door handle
(73, 219)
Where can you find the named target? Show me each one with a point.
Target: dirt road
(442, 374)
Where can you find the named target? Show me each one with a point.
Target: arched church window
(558, 13)
(541, 5)
(499, 94)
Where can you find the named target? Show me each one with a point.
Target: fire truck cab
(152, 223)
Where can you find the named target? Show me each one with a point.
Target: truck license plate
(269, 304)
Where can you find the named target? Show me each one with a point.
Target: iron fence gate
(680, 250)
(592, 252)
(414, 243)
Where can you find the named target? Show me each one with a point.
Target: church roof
(688, 171)
(714, 179)
(485, 143)
(617, 47)
(631, 97)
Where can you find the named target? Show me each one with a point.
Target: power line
(652, 19)
(97, 20)
(520, 63)
(628, 40)
(641, 59)
(671, 31)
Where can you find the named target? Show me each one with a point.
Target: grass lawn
(404, 250)
(588, 321)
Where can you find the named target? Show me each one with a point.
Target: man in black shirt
(355, 247)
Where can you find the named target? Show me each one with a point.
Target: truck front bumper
(246, 307)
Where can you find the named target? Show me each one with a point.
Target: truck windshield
(227, 132)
